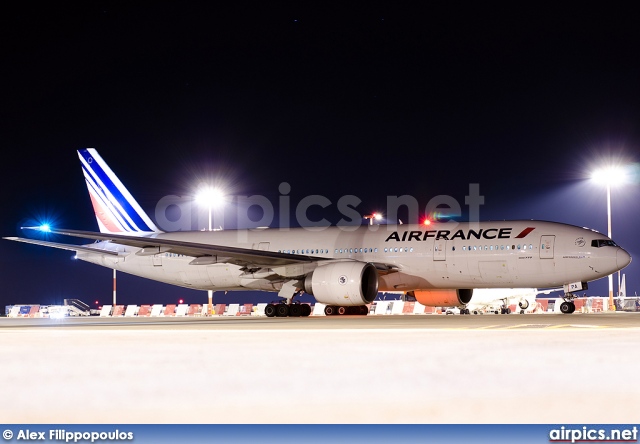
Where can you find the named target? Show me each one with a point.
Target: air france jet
(440, 264)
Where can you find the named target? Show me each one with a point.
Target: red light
(181, 301)
(97, 302)
(427, 222)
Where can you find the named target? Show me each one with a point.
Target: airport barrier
(195, 310)
(106, 311)
(170, 310)
(318, 309)
(182, 309)
(391, 307)
(145, 311)
(258, 310)
(232, 310)
(157, 310)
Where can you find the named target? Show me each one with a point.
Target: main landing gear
(283, 310)
(568, 307)
(287, 308)
(331, 310)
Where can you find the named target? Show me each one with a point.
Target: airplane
(440, 264)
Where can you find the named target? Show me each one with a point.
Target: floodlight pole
(114, 287)
(612, 307)
(210, 292)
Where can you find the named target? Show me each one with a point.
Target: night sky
(364, 100)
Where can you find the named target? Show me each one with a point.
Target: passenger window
(375, 250)
(411, 249)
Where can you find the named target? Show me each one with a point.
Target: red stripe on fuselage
(525, 232)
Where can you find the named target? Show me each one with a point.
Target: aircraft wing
(203, 253)
(212, 253)
(69, 247)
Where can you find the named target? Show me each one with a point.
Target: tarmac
(540, 368)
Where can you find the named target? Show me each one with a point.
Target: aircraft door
(439, 250)
(546, 247)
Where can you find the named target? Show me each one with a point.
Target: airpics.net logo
(180, 213)
(589, 434)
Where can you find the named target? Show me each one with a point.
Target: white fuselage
(504, 254)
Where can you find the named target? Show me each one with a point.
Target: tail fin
(116, 209)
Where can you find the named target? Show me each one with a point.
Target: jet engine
(343, 283)
(443, 298)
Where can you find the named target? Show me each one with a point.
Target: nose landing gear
(568, 306)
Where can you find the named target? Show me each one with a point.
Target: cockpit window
(597, 243)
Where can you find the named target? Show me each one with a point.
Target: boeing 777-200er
(344, 270)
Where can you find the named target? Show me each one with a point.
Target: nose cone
(622, 258)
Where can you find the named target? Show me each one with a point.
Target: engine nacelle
(443, 298)
(343, 283)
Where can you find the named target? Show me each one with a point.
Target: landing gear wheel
(306, 310)
(270, 310)
(567, 307)
(341, 310)
(282, 310)
(364, 310)
(330, 310)
(295, 310)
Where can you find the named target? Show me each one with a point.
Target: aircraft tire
(306, 310)
(341, 310)
(330, 310)
(270, 310)
(295, 310)
(282, 310)
(565, 307)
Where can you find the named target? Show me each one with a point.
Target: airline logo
(488, 233)
(115, 208)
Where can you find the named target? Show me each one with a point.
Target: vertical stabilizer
(116, 209)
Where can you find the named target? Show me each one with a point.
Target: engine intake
(343, 283)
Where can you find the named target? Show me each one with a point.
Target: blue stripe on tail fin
(116, 209)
